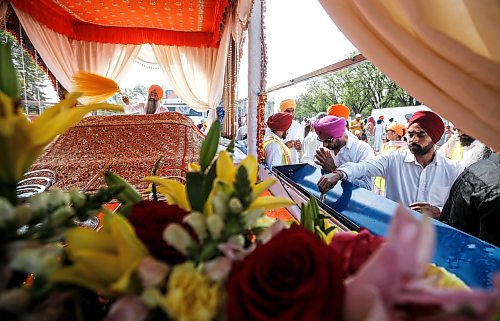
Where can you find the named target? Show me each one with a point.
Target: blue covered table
(470, 258)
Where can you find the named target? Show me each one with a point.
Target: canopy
(174, 23)
(190, 39)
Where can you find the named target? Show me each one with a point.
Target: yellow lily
(175, 192)
(22, 142)
(226, 174)
(102, 261)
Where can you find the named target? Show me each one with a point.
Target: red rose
(149, 219)
(293, 277)
(355, 248)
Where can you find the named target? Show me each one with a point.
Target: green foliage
(137, 94)
(9, 83)
(313, 220)
(243, 190)
(128, 195)
(209, 146)
(362, 87)
(30, 76)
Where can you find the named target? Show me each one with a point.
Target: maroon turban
(280, 121)
(430, 122)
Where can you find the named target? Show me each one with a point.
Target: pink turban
(430, 122)
(331, 126)
(280, 121)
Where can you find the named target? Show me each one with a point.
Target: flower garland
(261, 104)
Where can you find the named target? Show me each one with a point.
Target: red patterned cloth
(133, 142)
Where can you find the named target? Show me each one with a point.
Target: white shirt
(355, 151)
(407, 181)
(472, 153)
(274, 152)
(242, 131)
(295, 132)
(309, 147)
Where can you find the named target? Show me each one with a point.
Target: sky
(300, 38)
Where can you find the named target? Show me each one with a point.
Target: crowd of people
(426, 165)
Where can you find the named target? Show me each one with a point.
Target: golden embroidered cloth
(133, 142)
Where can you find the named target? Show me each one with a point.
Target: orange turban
(398, 128)
(158, 89)
(339, 110)
(287, 104)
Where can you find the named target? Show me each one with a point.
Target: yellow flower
(175, 192)
(102, 261)
(190, 295)
(444, 279)
(21, 141)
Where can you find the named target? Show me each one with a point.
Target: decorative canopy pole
(254, 75)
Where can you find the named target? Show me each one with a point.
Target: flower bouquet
(207, 252)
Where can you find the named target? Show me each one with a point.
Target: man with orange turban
(275, 150)
(295, 132)
(418, 177)
(339, 110)
(152, 106)
(395, 132)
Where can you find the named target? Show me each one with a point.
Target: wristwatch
(343, 175)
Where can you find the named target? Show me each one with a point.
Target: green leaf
(208, 182)
(9, 82)
(230, 147)
(194, 187)
(209, 146)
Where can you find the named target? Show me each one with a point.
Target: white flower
(177, 236)
(197, 221)
(215, 225)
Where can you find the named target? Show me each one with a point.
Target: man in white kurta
(295, 134)
(340, 146)
(418, 177)
(275, 151)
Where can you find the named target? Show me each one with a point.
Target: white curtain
(445, 53)
(195, 74)
(64, 57)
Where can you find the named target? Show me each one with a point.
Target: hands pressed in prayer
(426, 209)
(290, 143)
(328, 181)
(325, 160)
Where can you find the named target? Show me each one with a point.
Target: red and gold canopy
(194, 23)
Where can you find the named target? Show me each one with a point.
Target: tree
(320, 94)
(137, 94)
(361, 87)
(31, 77)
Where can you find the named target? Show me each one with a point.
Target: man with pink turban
(340, 146)
(275, 150)
(417, 177)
